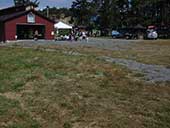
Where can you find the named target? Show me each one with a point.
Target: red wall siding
(49, 27)
(10, 27)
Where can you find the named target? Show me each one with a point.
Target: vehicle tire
(127, 37)
(114, 37)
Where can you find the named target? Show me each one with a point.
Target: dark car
(128, 33)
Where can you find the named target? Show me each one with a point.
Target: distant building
(22, 22)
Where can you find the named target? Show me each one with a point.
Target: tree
(163, 11)
(150, 12)
(108, 14)
(57, 13)
(26, 2)
(81, 10)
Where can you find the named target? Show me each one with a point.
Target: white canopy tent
(61, 25)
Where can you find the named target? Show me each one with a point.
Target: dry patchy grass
(40, 89)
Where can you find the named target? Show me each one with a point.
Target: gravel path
(153, 73)
(110, 44)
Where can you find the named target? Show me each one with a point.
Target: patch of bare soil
(11, 95)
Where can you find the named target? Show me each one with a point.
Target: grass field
(148, 52)
(42, 89)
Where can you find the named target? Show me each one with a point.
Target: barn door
(28, 31)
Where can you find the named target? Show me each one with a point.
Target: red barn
(23, 22)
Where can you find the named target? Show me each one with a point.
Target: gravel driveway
(110, 44)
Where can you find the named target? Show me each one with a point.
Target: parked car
(116, 34)
(152, 33)
(127, 34)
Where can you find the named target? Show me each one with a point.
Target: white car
(152, 34)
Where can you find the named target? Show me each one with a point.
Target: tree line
(26, 2)
(106, 14)
(109, 14)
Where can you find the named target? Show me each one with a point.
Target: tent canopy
(61, 25)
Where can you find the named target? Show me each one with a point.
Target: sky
(43, 3)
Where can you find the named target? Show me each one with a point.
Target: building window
(31, 18)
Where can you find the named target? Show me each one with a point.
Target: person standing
(36, 35)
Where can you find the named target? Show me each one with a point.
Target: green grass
(13, 116)
(41, 89)
(6, 105)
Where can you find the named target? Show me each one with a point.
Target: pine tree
(81, 10)
(26, 2)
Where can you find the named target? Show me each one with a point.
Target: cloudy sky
(43, 3)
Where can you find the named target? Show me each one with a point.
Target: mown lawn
(40, 89)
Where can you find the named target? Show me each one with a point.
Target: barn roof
(11, 16)
(12, 9)
(7, 17)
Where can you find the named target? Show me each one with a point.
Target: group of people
(75, 36)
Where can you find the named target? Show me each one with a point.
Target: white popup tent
(61, 25)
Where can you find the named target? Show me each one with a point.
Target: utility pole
(47, 11)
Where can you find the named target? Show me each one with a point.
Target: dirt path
(152, 73)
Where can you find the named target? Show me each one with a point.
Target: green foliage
(25, 2)
(6, 105)
(121, 13)
(81, 11)
(64, 32)
(57, 13)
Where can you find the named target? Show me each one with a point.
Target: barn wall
(49, 27)
(10, 27)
